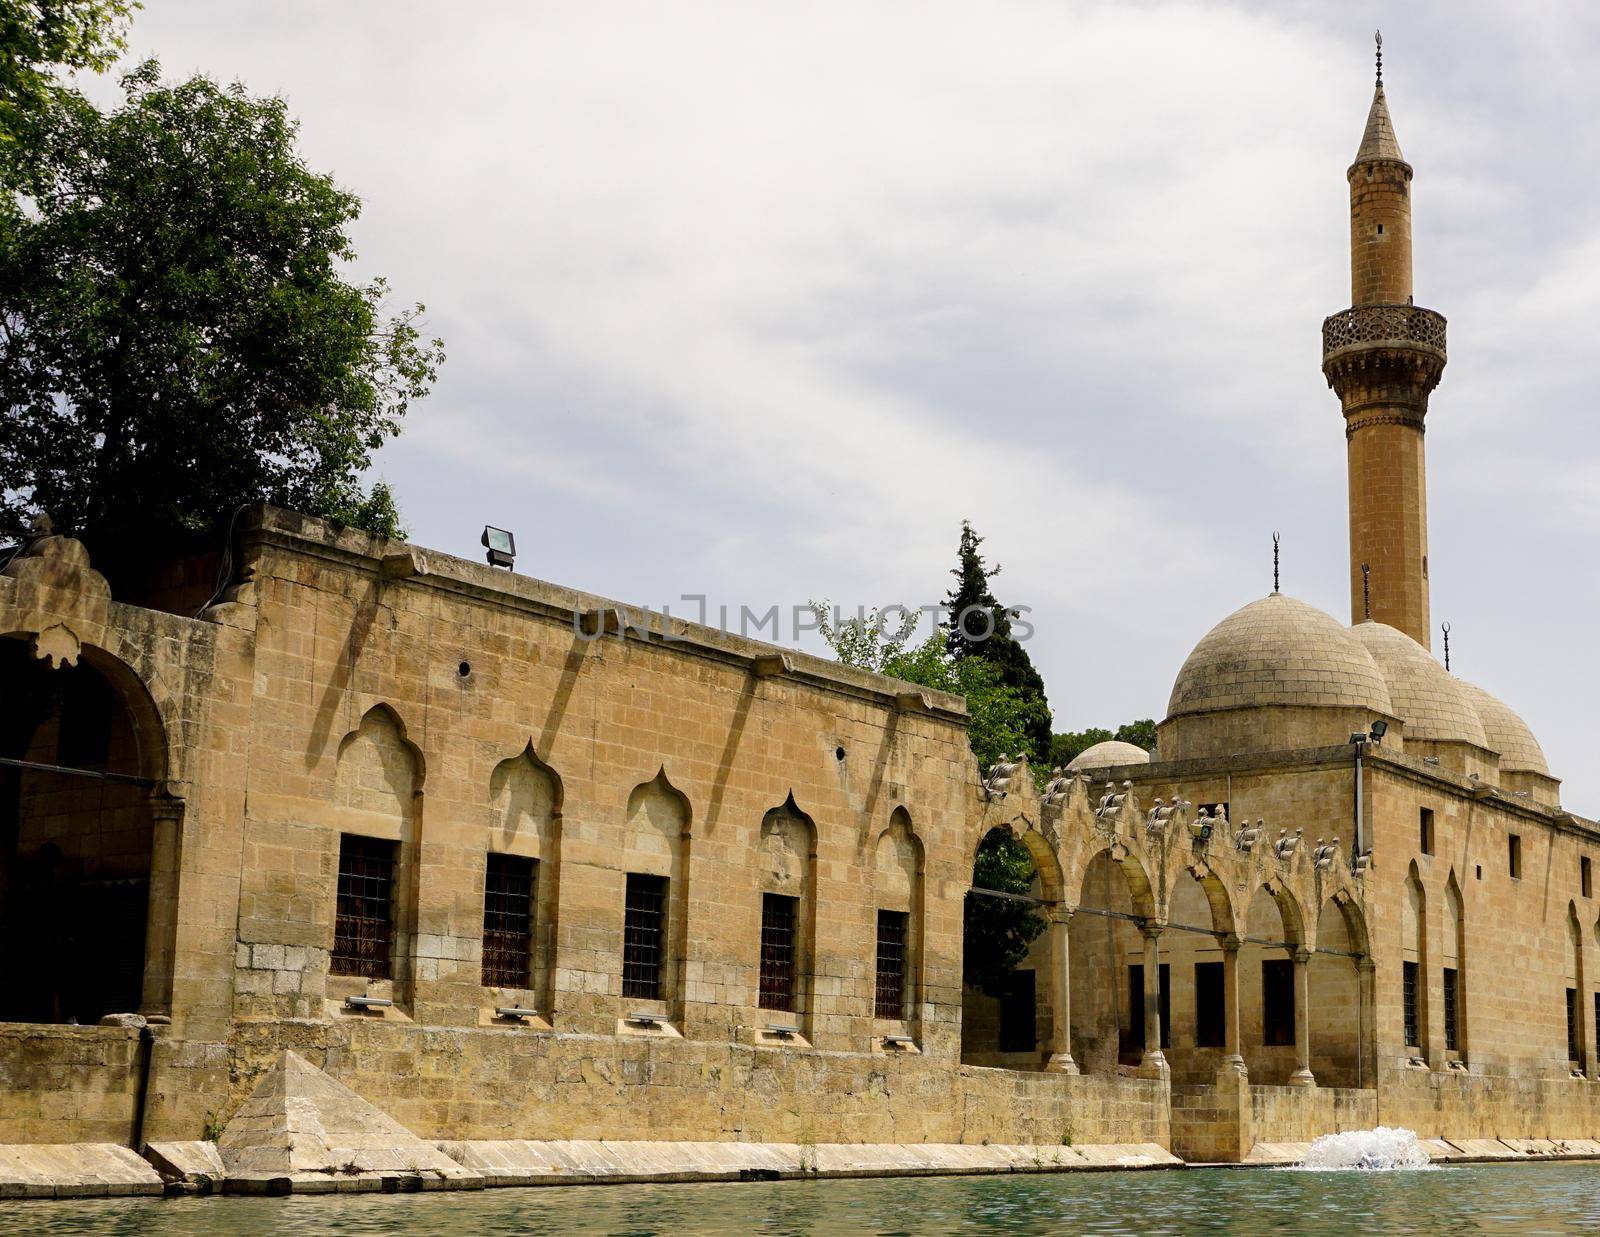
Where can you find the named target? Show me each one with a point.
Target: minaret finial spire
(1377, 37)
(1366, 592)
(1445, 627)
(1274, 562)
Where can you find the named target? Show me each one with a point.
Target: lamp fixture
(502, 546)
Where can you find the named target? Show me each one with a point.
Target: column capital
(1152, 928)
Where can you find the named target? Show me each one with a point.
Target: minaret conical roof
(1379, 141)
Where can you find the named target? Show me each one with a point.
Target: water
(1382, 1149)
(1521, 1198)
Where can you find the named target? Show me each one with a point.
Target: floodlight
(1379, 729)
(502, 546)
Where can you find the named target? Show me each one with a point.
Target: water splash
(1382, 1149)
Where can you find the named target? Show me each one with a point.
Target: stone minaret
(1383, 356)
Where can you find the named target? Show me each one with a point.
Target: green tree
(41, 38)
(997, 715)
(177, 335)
(1141, 733)
(997, 931)
(981, 627)
(866, 641)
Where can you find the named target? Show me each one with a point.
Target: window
(1572, 1025)
(1209, 1006)
(1426, 831)
(1408, 1001)
(777, 951)
(1136, 1005)
(1277, 1002)
(891, 995)
(508, 922)
(1597, 1026)
(1585, 877)
(1019, 1014)
(1514, 853)
(644, 936)
(1452, 1037)
(363, 927)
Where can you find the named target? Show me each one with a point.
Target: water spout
(1382, 1149)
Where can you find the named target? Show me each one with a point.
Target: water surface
(1522, 1198)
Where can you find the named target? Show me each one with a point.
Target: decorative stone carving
(58, 645)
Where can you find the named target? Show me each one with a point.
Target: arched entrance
(1341, 1003)
(1107, 947)
(1273, 991)
(1007, 1011)
(82, 758)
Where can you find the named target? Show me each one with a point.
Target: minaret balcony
(1364, 328)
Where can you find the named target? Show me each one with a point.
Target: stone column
(1154, 1063)
(1232, 1052)
(1061, 1061)
(161, 914)
(1302, 1076)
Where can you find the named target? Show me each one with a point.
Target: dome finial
(1445, 628)
(1366, 593)
(1274, 562)
(1377, 37)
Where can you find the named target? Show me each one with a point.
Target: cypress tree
(981, 627)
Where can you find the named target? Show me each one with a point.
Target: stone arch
(1269, 1013)
(1577, 1020)
(1197, 917)
(1195, 887)
(1046, 862)
(88, 834)
(898, 860)
(1414, 1012)
(524, 845)
(1339, 1001)
(654, 864)
(1106, 959)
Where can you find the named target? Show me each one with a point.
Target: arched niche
(1338, 997)
(897, 869)
(654, 862)
(1413, 977)
(522, 874)
(786, 913)
(376, 795)
(1453, 985)
(88, 836)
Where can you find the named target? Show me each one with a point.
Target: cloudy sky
(759, 301)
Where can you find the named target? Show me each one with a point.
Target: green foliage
(866, 641)
(176, 334)
(40, 38)
(971, 635)
(1065, 747)
(998, 931)
(997, 715)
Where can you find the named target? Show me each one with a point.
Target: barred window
(364, 924)
(891, 997)
(1408, 1001)
(508, 887)
(1572, 1025)
(777, 951)
(644, 936)
(1452, 1036)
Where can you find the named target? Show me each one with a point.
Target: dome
(1104, 755)
(1279, 651)
(1434, 705)
(1507, 734)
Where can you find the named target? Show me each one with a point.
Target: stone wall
(63, 1084)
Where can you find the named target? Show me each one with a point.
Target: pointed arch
(521, 875)
(786, 903)
(1045, 860)
(897, 874)
(654, 896)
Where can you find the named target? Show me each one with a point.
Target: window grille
(508, 921)
(1277, 1002)
(1572, 1025)
(644, 936)
(364, 925)
(891, 996)
(777, 951)
(1408, 1001)
(1452, 1036)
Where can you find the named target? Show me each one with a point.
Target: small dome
(1104, 755)
(1433, 705)
(1507, 734)
(1279, 651)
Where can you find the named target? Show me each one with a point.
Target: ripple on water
(1524, 1198)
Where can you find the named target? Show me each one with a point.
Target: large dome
(1104, 755)
(1507, 734)
(1279, 651)
(1433, 705)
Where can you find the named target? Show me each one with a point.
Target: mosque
(486, 857)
